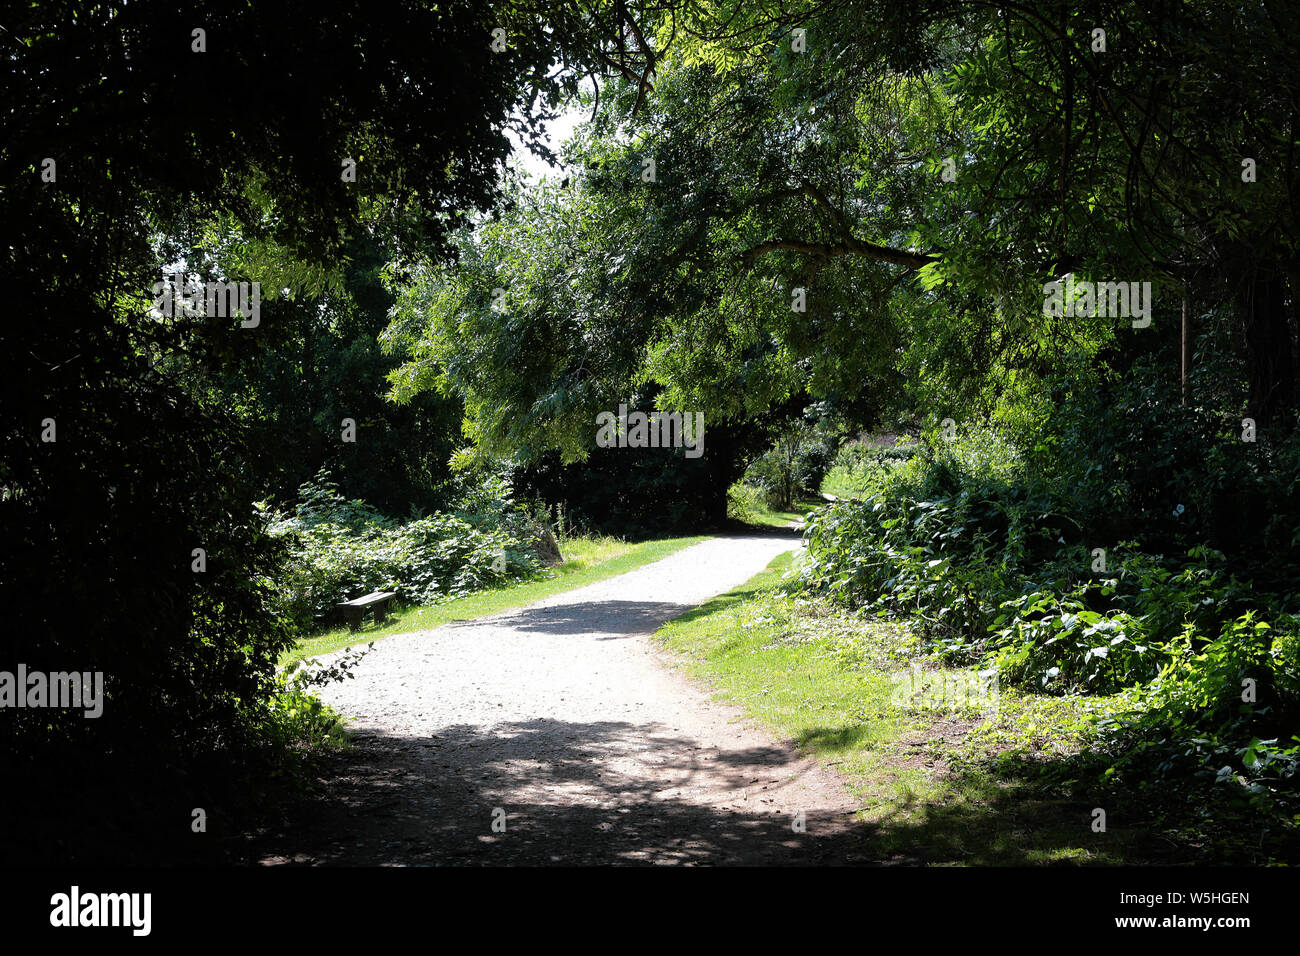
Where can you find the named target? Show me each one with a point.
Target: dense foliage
(771, 206)
(134, 147)
(999, 568)
(320, 364)
(864, 205)
(341, 549)
(795, 465)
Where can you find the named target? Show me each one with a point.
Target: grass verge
(765, 517)
(587, 560)
(937, 784)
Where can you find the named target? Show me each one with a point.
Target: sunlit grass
(821, 679)
(773, 518)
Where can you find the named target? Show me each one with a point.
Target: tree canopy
(920, 172)
(214, 140)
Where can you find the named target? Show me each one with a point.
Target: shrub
(1058, 645)
(795, 465)
(992, 564)
(1197, 716)
(744, 502)
(342, 549)
(1129, 460)
(297, 718)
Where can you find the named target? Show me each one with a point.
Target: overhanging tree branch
(850, 247)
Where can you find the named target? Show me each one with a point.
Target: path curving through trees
(564, 720)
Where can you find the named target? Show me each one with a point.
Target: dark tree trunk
(1268, 324)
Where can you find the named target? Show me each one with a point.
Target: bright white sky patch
(557, 131)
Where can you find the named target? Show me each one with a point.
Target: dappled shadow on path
(613, 618)
(610, 792)
(741, 529)
(603, 792)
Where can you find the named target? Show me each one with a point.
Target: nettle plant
(1059, 646)
(1226, 707)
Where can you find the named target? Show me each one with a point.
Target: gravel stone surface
(565, 723)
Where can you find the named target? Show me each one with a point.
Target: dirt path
(564, 716)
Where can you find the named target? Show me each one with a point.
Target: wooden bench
(355, 609)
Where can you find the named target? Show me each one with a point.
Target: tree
(888, 198)
(140, 135)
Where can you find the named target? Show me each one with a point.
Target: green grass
(746, 506)
(767, 517)
(755, 647)
(587, 560)
(820, 677)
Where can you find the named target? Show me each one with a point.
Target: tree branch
(850, 247)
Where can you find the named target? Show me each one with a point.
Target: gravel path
(564, 721)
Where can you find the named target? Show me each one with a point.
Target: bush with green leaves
(1226, 709)
(296, 717)
(1061, 646)
(971, 543)
(1127, 459)
(945, 539)
(744, 502)
(861, 468)
(993, 566)
(795, 465)
(976, 576)
(341, 549)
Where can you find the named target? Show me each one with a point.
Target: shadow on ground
(1015, 815)
(568, 800)
(626, 618)
(734, 527)
(566, 797)
(1027, 809)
